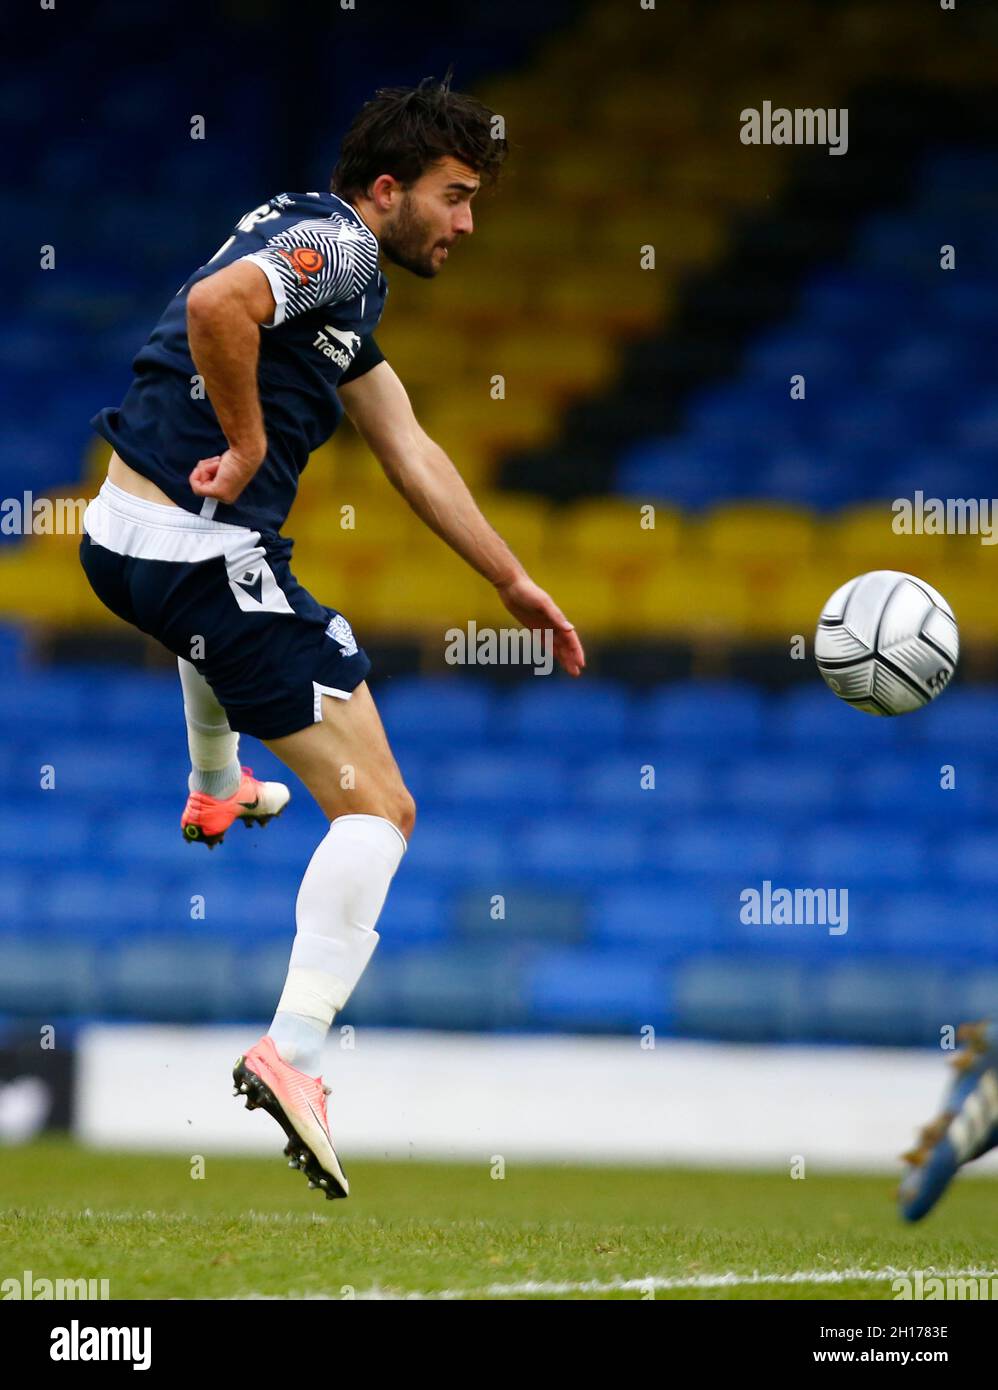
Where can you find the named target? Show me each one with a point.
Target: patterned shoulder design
(316, 262)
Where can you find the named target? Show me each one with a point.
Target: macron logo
(338, 344)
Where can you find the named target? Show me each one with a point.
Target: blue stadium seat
(966, 721)
(658, 915)
(437, 711)
(56, 703)
(458, 849)
(971, 857)
(844, 298)
(815, 476)
(99, 906)
(262, 968)
(618, 991)
(795, 348)
(236, 906)
(781, 785)
(19, 908)
(587, 848)
(707, 713)
(978, 994)
(614, 782)
(171, 977)
(855, 854)
(41, 831)
(813, 718)
(455, 986)
(62, 978)
(967, 304)
(490, 778)
(529, 911)
(890, 1003)
(944, 926)
(923, 360)
(741, 998)
(417, 911)
(86, 768)
(910, 789)
(143, 701)
(729, 414)
(560, 712)
(743, 848)
(689, 475)
(13, 647)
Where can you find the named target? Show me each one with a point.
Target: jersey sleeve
(316, 262)
(368, 355)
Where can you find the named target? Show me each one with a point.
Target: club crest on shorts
(341, 631)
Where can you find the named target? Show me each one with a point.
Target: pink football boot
(207, 818)
(298, 1104)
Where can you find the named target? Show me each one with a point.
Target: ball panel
(866, 604)
(896, 693)
(838, 644)
(902, 618)
(933, 594)
(886, 642)
(940, 632)
(836, 605)
(851, 682)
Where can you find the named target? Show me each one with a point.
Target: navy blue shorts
(222, 597)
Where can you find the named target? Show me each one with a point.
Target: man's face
(430, 216)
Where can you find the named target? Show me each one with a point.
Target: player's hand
(534, 608)
(225, 475)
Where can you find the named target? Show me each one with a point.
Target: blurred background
(626, 384)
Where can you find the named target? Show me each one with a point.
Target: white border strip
(653, 1283)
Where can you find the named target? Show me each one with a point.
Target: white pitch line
(731, 1279)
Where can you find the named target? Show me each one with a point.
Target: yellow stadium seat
(624, 300)
(609, 530)
(481, 424)
(863, 539)
(356, 524)
(589, 598)
(973, 602)
(692, 599)
(426, 597)
(797, 601)
(747, 532)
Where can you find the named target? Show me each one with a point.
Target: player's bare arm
(419, 468)
(224, 314)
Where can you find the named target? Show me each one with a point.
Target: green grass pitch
(250, 1227)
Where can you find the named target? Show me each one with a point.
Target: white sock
(339, 902)
(214, 748)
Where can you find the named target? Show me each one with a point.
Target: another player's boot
(207, 818)
(298, 1104)
(967, 1128)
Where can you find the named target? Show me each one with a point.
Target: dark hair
(403, 130)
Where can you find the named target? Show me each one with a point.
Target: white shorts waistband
(131, 526)
(158, 513)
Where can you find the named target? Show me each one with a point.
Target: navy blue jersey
(322, 263)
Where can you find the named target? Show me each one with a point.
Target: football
(887, 642)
